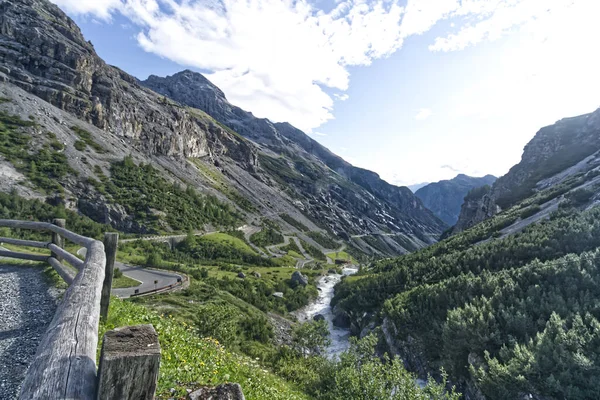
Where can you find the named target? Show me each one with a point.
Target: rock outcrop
(43, 51)
(554, 149)
(360, 197)
(226, 391)
(299, 279)
(444, 198)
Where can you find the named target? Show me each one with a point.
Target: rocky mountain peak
(552, 150)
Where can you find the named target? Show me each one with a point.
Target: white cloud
(423, 114)
(314, 133)
(276, 57)
(496, 18)
(272, 57)
(100, 8)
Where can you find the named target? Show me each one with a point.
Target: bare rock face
(227, 391)
(445, 198)
(43, 51)
(348, 200)
(554, 149)
(299, 279)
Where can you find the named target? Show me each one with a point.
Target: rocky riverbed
(322, 305)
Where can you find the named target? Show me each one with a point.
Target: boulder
(278, 294)
(319, 317)
(226, 391)
(340, 318)
(256, 274)
(299, 279)
(241, 275)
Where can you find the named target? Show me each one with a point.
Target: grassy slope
(189, 360)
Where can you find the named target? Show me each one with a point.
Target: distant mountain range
(417, 186)
(444, 198)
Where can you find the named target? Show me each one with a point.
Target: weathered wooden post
(129, 364)
(111, 241)
(56, 238)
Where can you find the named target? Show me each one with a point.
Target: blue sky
(416, 90)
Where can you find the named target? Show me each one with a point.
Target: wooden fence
(64, 366)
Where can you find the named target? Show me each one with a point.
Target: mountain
(417, 186)
(192, 136)
(444, 198)
(497, 304)
(556, 156)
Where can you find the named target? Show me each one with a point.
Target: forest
(507, 316)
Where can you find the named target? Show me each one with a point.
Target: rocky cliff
(444, 198)
(392, 207)
(185, 126)
(553, 152)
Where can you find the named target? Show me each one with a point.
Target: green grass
(189, 360)
(295, 223)
(86, 140)
(324, 240)
(341, 255)
(44, 167)
(124, 282)
(216, 179)
(159, 204)
(228, 240)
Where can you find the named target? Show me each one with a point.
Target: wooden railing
(64, 366)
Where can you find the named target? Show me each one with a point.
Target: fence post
(129, 364)
(111, 241)
(56, 238)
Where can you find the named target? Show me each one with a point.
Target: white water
(339, 336)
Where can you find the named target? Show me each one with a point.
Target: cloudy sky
(416, 90)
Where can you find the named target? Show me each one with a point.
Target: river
(339, 336)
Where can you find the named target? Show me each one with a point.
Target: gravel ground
(27, 305)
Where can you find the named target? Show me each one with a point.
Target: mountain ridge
(259, 168)
(444, 198)
(553, 149)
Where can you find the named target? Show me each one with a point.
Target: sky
(415, 90)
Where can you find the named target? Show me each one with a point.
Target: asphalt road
(150, 279)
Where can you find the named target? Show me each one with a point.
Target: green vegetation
(296, 224)
(529, 211)
(281, 170)
(86, 140)
(341, 255)
(216, 179)
(217, 259)
(478, 193)
(323, 240)
(122, 281)
(189, 360)
(268, 235)
(502, 315)
(45, 167)
(313, 251)
(13, 206)
(154, 202)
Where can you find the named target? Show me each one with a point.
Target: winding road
(150, 279)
